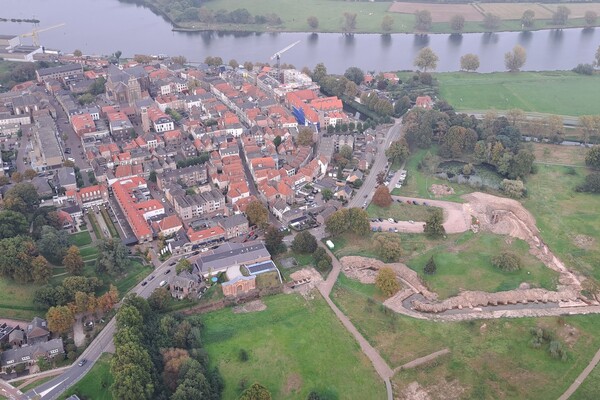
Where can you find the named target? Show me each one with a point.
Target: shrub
(506, 262)
(243, 355)
(591, 184)
(430, 267)
(584, 69)
(513, 188)
(557, 350)
(387, 282)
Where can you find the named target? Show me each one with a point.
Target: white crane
(34, 33)
(279, 53)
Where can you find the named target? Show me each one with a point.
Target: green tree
(561, 15)
(319, 72)
(591, 18)
(349, 22)
(60, 319)
(348, 220)
(77, 53)
(256, 392)
(183, 265)
(389, 246)
(152, 177)
(426, 59)
(248, 66)
(592, 157)
(398, 151)
(257, 214)
(25, 195)
(112, 257)
(41, 270)
(73, 261)
(159, 299)
(491, 21)
(434, 225)
(304, 242)
(277, 141)
(355, 75)
(305, 136)
(469, 62)
(430, 267)
(506, 261)
(322, 260)
(274, 240)
(514, 60)
(387, 23)
(423, 20)
(387, 281)
(313, 22)
(402, 106)
(382, 197)
(327, 194)
(458, 141)
(591, 184)
(457, 23)
(12, 224)
(528, 18)
(513, 188)
(53, 244)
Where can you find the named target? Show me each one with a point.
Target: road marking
(45, 392)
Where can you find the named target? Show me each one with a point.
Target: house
(234, 226)
(83, 124)
(184, 285)
(354, 176)
(37, 331)
(65, 178)
(29, 355)
(168, 225)
(343, 193)
(424, 102)
(161, 122)
(239, 285)
(231, 255)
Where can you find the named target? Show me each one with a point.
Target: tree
(16, 177)
(430, 267)
(597, 57)
(313, 22)
(561, 15)
(591, 184)
(233, 63)
(527, 20)
(77, 53)
(274, 240)
(277, 141)
(112, 257)
(257, 214)
(423, 20)
(305, 137)
(355, 74)
(29, 174)
(387, 281)
(589, 124)
(398, 151)
(256, 392)
(60, 319)
(248, 66)
(118, 55)
(4, 180)
(469, 62)
(592, 157)
(327, 194)
(322, 260)
(173, 360)
(434, 225)
(388, 245)
(348, 220)
(304, 242)
(53, 244)
(319, 72)
(12, 224)
(457, 23)
(426, 59)
(457, 141)
(349, 22)
(183, 265)
(506, 262)
(491, 21)
(181, 60)
(142, 59)
(514, 60)
(555, 125)
(73, 261)
(159, 299)
(386, 23)
(25, 195)
(41, 270)
(513, 188)
(402, 106)
(382, 197)
(213, 61)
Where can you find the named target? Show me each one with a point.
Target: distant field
(561, 93)
(555, 154)
(295, 346)
(577, 10)
(439, 12)
(516, 10)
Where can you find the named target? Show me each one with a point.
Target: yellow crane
(34, 33)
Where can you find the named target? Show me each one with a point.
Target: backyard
(552, 92)
(488, 359)
(96, 383)
(295, 346)
(464, 263)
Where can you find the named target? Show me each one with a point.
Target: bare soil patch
(441, 190)
(584, 242)
(304, 281)
(515, 11)
(561, 155)
(439, 12)
(293, 384)
(252, 306)
(444, 390)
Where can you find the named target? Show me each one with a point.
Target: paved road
(55, 387)
(365, 193)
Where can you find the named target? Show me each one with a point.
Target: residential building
(161, 122)
(29, 355)
(189, 206)
(234, 226)
(184, 285)
(189, 176)
(229, 255)
(60, 72)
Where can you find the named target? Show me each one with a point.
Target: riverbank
(292, 16)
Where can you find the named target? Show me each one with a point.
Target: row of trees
(427, 60)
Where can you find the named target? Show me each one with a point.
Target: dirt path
(422, 360)
(575, 385)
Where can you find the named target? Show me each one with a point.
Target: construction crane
(34, 33)
(277, 56)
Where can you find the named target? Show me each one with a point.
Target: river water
(104, 26)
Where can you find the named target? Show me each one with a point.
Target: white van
(162, 283)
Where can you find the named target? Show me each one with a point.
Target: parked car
(162, 283)
(151, 277)
(82, 362)
(144, 283)
(167, 271)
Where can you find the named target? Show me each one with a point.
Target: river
(104, 26)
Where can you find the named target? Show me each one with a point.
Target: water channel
(104, 26)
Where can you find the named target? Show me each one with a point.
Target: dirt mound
(441, 190)
(252, 306)
(583, 241)
(304, 280)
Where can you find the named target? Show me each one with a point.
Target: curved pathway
(575, 385)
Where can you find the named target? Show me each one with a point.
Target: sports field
(553, 92)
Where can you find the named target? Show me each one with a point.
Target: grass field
(294, 346)
(464, 262)
(109, 223)
(590, 388)
(16, 300)
(96, 383)
(556, 154)
(400, 211)
(81, 239)
(489, 359)
(35, 384)
(561, 93)
(569, 222)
